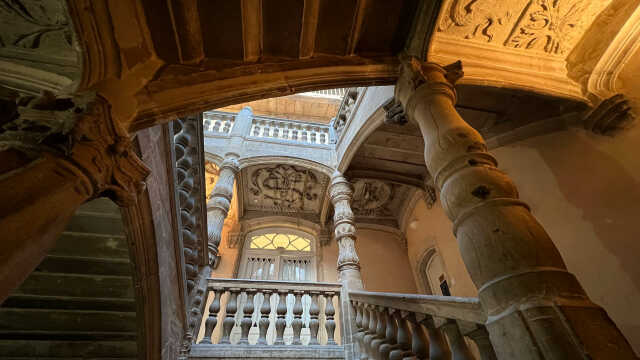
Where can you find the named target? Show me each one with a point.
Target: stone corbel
(610, 117)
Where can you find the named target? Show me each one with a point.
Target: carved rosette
(344, 223)
(220, 202)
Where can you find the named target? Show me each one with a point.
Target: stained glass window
(280, 240)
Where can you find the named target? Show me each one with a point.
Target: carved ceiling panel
(544, 26)
(373, 198)
(283, 188)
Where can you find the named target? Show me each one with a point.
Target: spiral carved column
(220, 202)
(344, 230)
(536, 308)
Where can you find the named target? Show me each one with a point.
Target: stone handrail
(281, 304)
(397, 326)
(289, 131)
(218, 122)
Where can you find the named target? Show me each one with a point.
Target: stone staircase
(79, 303)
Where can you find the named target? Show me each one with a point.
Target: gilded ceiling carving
(547, 26)
(284, 188)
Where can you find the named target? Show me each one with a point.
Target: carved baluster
(212, 320)
(359, 333)
(481, 337)
(365, 331)
(438, 347)
(247, 312)
(381, 331)
(281, 323)
(229, 320)
(419, 342)
(390, 342)
(314, 323)
(459, 348)
(404, 341)
(371, 330)
(263, 324)
(296, 323)
(329, 312)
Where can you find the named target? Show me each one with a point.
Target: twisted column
(344, 228)
(220, 202)
(536, 308)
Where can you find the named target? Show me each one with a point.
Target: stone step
(102, 205)
(85, 265)
(76, 285)
(96, 223)
(70, 303)
(45, 349)
(91, 245)
(61, 321)
(287, 352)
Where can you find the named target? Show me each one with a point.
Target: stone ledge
(216, 351)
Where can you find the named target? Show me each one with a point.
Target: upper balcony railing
(218, 122)
(290, 131)
(268, 129)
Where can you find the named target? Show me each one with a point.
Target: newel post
(344, 227)
(536, 308)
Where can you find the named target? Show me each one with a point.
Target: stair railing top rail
(272, 285)
(450, 307)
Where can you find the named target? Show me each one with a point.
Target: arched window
(433, 274)
(278, 254)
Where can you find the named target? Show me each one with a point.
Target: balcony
(305, 321)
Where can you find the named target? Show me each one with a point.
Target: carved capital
(426, 78)
(82, 133)
(340, 189)
(394, 113)
(230, 162)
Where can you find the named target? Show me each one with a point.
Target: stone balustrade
(256, 313)
(218, 122)
(290, 131)
(401, 326)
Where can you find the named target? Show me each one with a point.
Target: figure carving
(32, 25)
(370, 197)
(480, 18)
(287, 186)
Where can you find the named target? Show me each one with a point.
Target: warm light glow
(285, 241)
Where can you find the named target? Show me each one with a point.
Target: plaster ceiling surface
(288, 189)
(293, 107)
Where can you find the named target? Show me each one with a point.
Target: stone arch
(421, 270)
(287, 160)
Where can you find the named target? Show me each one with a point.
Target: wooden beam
(252, 29)
(356, 27)
(309, 27)
(186, 25)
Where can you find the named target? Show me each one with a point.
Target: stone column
(55, 154)
(536, 308)
(218, 205)
(348, 263)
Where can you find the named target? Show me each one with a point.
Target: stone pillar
(218, 205)
(348, 263)
(55, 154)
(536, 308)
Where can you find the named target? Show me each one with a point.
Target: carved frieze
(284, 188)
(546, 26)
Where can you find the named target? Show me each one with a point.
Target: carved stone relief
(371, 198)
(284, 188)
(549, 26)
